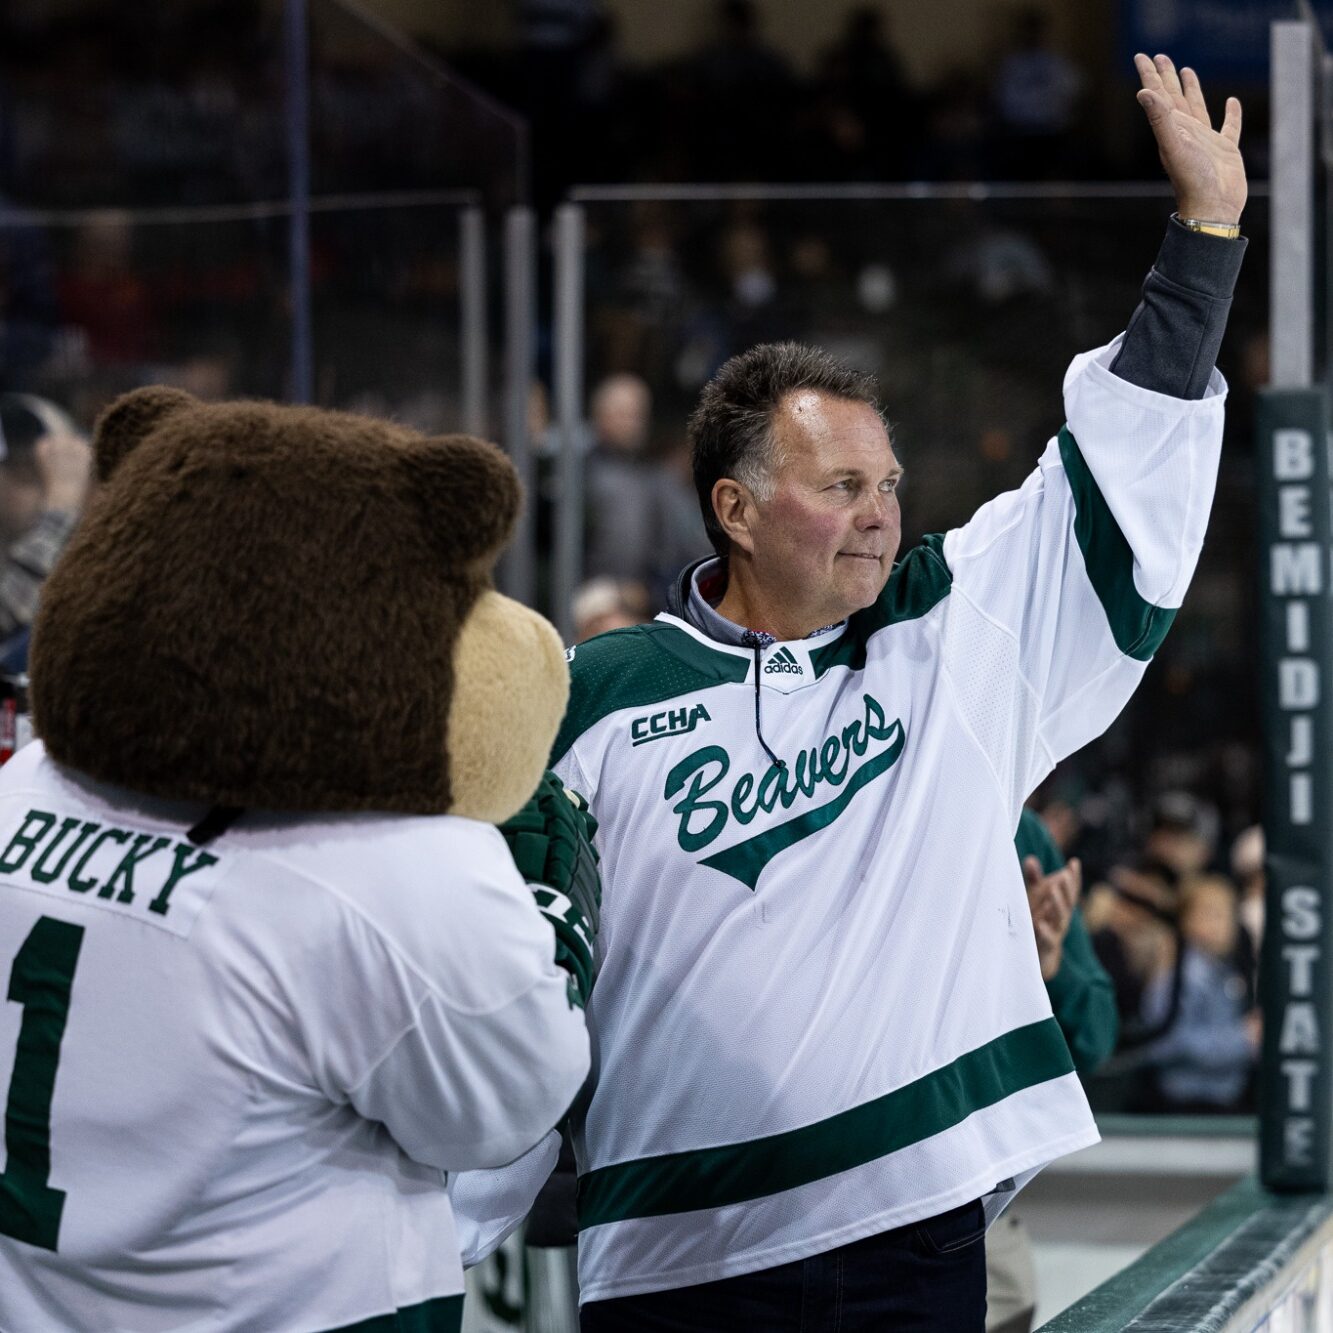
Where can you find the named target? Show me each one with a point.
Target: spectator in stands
(1131, 916)
(633, 530)
(749, 271)
(866, 100)
(742, 94)
(746, 259)
(641, 300)
(45, 465)
(604, 604)
(957, 123)
(102, 293)
(1183, 836)
(1205, 1059)
(991, 263)
(565, 60)
(1037, 92)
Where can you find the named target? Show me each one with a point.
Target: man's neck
(746, 603)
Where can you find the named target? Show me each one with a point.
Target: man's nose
(875, 513)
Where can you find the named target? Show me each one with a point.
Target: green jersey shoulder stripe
(736, 1172)
(637, 667)
(1137, 627)
(919, 582)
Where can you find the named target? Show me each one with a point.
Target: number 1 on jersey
(40, 980)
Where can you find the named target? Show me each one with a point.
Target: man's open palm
(1204, 164)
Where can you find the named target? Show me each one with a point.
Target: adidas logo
(783, 661)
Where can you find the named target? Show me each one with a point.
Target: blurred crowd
(185, 104)
(1175, 910)
(733, 106)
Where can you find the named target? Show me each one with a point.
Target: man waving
(823, 1053)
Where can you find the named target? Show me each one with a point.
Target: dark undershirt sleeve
(1172, 340)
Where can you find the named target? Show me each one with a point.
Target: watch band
(1229, 231)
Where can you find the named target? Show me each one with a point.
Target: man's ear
(733, 503)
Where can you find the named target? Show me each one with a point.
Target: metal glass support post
(518, 568)
(297, 60)
(1296, 681)
(568, 348)
(1296, 665)
(1292, 245)
(472, 319)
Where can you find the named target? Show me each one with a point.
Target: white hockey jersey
(236, 1073)
(819, 1013)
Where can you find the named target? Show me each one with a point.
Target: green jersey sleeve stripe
(1137, 627)
(635, 668)
(737, 1172)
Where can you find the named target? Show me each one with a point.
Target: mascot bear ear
(129, 419)
(470, 493)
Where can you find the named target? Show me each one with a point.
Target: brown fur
(264, 605)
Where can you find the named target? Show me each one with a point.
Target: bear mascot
(273, 973)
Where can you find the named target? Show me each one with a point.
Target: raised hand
(1204, 164)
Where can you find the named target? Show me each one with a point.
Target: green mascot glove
(550, 840)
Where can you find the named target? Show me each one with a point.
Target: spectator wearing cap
(45, 463)
(1183, 837)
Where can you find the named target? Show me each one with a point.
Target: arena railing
(1251, 1260)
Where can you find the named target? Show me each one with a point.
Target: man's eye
(889, 486)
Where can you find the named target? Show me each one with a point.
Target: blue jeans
(926, 1277)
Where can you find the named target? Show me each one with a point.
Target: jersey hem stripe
(443, 1314)
(753, 1261)
(735, 1173)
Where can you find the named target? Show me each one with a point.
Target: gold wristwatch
(1228, 231)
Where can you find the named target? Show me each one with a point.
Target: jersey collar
(689, 603)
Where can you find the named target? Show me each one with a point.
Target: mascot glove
(550, 839)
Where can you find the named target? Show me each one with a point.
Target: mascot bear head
(291, 609)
